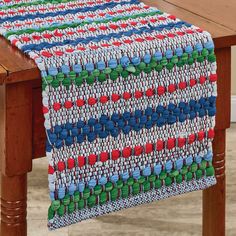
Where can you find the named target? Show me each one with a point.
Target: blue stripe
(65, 12)
(98, 38)
(69, 23)
(137, 120)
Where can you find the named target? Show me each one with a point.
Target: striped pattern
(129, 100)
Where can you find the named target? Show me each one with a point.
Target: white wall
(233, 85)
(233, 75)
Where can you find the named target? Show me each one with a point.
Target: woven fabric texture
(129, 100)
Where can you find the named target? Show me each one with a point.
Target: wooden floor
(175, 216)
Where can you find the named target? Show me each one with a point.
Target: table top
(217, 17)
(3, 74)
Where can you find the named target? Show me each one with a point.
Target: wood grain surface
(3, 75)
(221, 12)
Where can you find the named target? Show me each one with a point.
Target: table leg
(13, 205)
(16, 155)
(214, 197)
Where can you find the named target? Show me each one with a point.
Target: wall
(233, 85)
(233, 75)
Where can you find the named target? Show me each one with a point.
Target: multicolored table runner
(129, 100)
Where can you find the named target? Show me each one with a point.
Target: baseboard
(233, 108)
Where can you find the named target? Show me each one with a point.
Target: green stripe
(74, 25)
(113, 74)
(112, 192)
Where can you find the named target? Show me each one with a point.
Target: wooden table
(22, 131)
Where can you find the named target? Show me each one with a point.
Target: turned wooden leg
(16, 155)
(214, 197)
(13, 205)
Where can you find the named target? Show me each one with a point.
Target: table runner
(129, 100)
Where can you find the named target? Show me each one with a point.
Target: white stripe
(74, 114)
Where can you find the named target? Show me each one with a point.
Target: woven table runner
(129, 100)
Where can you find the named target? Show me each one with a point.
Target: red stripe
(127, 152)
(160, 91)
(113, 26)
(102, 14)
(120, 42)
